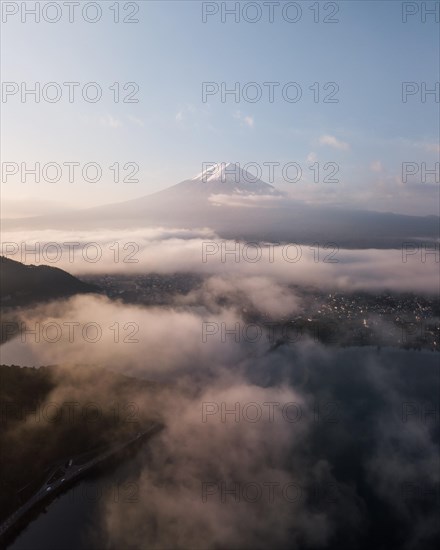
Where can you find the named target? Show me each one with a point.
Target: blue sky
(170, 132)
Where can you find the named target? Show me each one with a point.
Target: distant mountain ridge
(236, 205)
(22, 284)
(223, 178)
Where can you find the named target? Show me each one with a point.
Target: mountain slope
(24, 284)
(218, 179)
(226, 178)
(236, 205)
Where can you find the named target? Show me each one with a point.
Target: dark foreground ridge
(22, 284)
(64, 476)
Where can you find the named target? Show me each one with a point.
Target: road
(70, 471)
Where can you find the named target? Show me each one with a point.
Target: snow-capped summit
(228, 177)
(222, 171)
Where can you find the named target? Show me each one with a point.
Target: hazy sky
(171, 131)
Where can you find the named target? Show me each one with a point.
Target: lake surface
(73, 520)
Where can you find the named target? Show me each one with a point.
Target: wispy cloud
(249, 120)
(245, 120)
(135, 120)
(110, 121)
(185, 112)
(428, 146)
(376, 166)
(332, 141)
(432, 147)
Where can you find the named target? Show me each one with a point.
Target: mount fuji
(197, 194)
(237, 205)
(224, 178)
